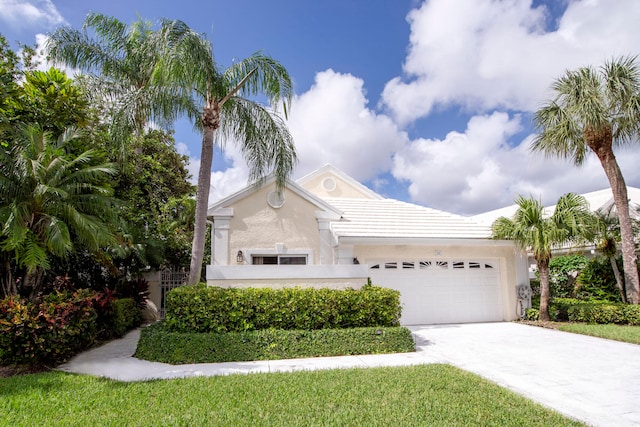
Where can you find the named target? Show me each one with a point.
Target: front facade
(328, 230)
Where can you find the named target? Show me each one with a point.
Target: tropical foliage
(121, 62)
(66, 211)
(532, 230)
(595, 109)
(51, 199)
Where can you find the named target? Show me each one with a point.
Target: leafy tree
(51, 202)
(53, 101)
(152, 181)
(532, 230)
(593, 110)
(228, 114)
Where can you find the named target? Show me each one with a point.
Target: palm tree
(229, 115)
(532, 230)
(125, 59)
(51, 202)
(593, 110)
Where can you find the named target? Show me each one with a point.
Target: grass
(625, 333)
(404, 396)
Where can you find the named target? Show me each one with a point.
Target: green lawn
(626, 333)
(405, 396)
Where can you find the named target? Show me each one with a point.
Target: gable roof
(329, 170)
(291, 186)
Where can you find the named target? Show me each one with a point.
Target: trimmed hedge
(602, 312)
(213, 309)
(160, 345)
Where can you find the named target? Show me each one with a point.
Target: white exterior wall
(256, 226)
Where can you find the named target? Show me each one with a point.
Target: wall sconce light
(240, 257)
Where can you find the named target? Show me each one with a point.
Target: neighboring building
(328, 230)
(599, 201)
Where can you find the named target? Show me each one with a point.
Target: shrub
(213, 309)
(597, 313)
(48, 331)
(563, 271)
(532, 314)
(126, 316)
(560, 308)
(631, 313)
(138, 290)
(597, 281)
(161, 345)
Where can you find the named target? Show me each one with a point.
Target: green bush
(532, 314)
(48, 331)
(597, 313)
(596, 281)
(631, 313)
(212, 309)
(560, 308)
(563, 271)
(126, 316)
(160, 345)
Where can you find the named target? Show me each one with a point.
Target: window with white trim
(278, 259)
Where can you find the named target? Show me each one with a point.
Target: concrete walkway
(590, 379)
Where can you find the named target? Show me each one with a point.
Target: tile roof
(598, 200)
(388, 218)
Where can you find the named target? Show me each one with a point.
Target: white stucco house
(328, 230)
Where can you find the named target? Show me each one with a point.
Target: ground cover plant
(624, 333)
(418, 395)
(160, 345)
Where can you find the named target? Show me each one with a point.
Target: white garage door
(443, 291)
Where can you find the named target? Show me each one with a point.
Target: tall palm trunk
(543, 268)
(600, 142)
(210, 122)
(618, 276)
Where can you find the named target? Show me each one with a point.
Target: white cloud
(478, 170)
(24, 14)
(331, 123)
(489, 54)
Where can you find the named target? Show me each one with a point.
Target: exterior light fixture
(240, 257)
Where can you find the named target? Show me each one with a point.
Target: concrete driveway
(591, 379)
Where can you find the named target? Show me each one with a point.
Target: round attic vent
(275, 200)
(329, 184)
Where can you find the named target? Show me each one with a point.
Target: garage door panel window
(433, 265)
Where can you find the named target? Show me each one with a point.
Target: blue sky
(424, 101)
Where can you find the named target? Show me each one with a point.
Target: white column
(220, 237)
(345, 254)
(326, 251)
